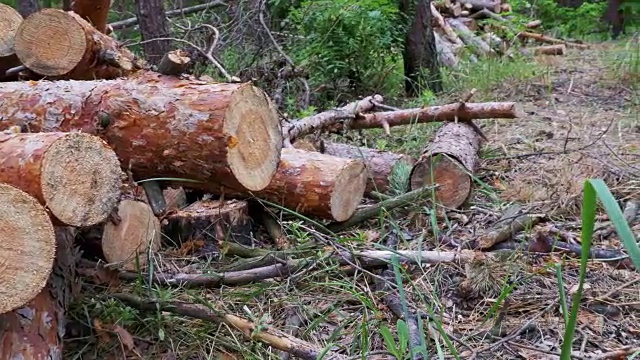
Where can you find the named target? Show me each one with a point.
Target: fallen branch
(507, 227)
(122, 24)
(307, 125)
(266, 334)
(550, 40)
(556, 49)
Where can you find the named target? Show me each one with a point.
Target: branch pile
(485, 28)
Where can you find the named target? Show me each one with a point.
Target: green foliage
(594, 189)
(348, 46)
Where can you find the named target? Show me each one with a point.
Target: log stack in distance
(76, 176)
(27, 247)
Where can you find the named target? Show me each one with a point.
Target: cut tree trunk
(380, 164)
(316, 184)
(550, 40)
(27, 249)
(80, 51)
(477, 45)
(477, 5)
(36, 330)
(449, 112)
(449, 160)
(161, 126)
(174, 62)
(9, 23)
(557, 49)
(136, 233)
(76, 176)
(95, 12)
(210, 222)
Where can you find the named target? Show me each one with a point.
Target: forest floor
(583, 121)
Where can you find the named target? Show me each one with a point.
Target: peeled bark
(160, 126)
(80, 51)
(477, 5)
(95, 12)
(35, 331)
(27, 250)
(174, 62)
(550, 40)
(379, 164)
(210, 221)
(477, 45)
(449, 161)
(129, 241)
(316, 184)
(11, 20)
(76, 176)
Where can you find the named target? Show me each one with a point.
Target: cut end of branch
(454, 184)
(81, 179)
(255, 137)
(52, 58)
(27, 247)
(10, 20)
(349, 189)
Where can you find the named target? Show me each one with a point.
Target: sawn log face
(160, 126)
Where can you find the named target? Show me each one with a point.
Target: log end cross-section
(76, 176)
(10, 20)
(27, 247)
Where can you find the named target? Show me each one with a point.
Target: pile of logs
(95, 141)
(459, 25)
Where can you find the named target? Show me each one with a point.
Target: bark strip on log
(95, 12)
(160, 126)
(379, 164)
(27, 249)
(449, 112)
(174, 62)
(210, 221)
(36, 330)
(550, 40)
(10, 20)
(76, 176)
(136, 233)
(450, 159)
(80, 51)
(316, 184)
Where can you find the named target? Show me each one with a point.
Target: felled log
(11, 20)
(132, 237)
(315, 184)
(379, 164)
(477, 45)
(210, 222)
(27, 249)
(533, 24)
(448, 161)
(79, 52)
(36, 330)
(174, 62)
(470, 23)
(446, 29)
(95, 12)
(76, 176)
(477, 5)
(160, 126)
(449, 112)
(547, 39)
(445, 53)
(557, 49)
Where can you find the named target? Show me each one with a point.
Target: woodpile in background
(95, 141)
(484, 28)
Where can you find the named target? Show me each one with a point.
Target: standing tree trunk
(153, 24)
(27, 7)
(420, 56)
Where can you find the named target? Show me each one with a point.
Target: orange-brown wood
(76, 176)
(10, 20)
(160, 126)
(94, 11)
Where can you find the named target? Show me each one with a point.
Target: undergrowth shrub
(346, 46)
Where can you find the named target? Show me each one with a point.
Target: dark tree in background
(153, 24)
(27, 7)
(420, 57)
